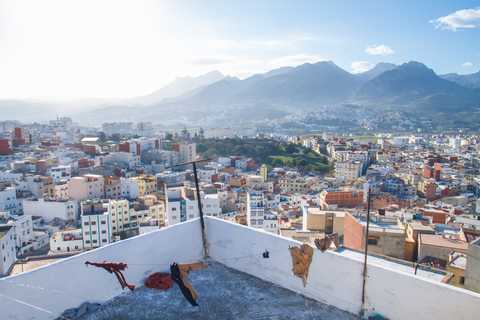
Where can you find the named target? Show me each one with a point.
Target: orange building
(347, 198)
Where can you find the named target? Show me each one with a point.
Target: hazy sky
(69, 49)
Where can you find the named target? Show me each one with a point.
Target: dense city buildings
(76, 193)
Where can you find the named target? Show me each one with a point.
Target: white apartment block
(8, 200)
(66, 241)
(96, 224)
(348, 170)
(270, 223)
(9, 175)
(137, 146)
(130, 188)
(7, 249)
(119, 212)
(90, 186)
(60, 173)
(241, 164)
(182, 205)
(49, 209)
(207, 175)
(353, 156)
(255, 210)
(127, 158)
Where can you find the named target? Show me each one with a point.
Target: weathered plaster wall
(68, 283)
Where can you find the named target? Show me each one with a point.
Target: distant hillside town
(70, 189)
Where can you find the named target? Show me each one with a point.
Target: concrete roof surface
(223, 293)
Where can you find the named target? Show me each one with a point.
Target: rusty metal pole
(366, 254)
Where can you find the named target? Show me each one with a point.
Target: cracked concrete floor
(223, 293)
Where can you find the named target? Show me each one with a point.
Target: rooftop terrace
(239, 284)
(223, 293)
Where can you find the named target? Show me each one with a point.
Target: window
(372, 242)
(58, 248)
(87, 242)
(94, 223)
(104, 240)
(104, 231)
(190, 207)
(103, 222)
(87, 233)
(95, 241)
(126, 219)
(174, 209)
(174, 217)
(461, 280)
(190, 216)
(94, 232)
(85, 223)
(76, 247)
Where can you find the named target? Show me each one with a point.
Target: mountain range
(213, 99)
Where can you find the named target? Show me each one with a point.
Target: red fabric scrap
(159, 281)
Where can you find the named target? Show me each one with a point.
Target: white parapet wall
(337, 280)
(44, 293)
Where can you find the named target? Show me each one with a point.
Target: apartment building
(7, 249)
(112, 187)
(66, 241)
(182, 205)
(187, 152)
(147, 184)
(96, 224)
(51, 208)
(90, 186)
(119, 212)
(348, 170)
(255, 209)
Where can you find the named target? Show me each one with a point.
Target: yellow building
(147, 184)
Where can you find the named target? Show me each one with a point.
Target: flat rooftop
(398, 266)
(223, 293)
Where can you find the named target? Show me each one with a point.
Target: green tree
(211, 152)
(168, 136)
(115, 137)
(102, 137)
(201, 148)
(201, 134)
(277, 162)
(302, 163)
(291, 148)
(184, 133)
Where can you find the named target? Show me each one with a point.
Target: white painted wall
(68, 283)
(336, 279)
(333, 278)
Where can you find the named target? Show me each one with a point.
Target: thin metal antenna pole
(200, 210)
(366, 253)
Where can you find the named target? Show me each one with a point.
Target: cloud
(379, 50)
(295, 60)
(468, 18)
(361, 66)
(467, 64)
